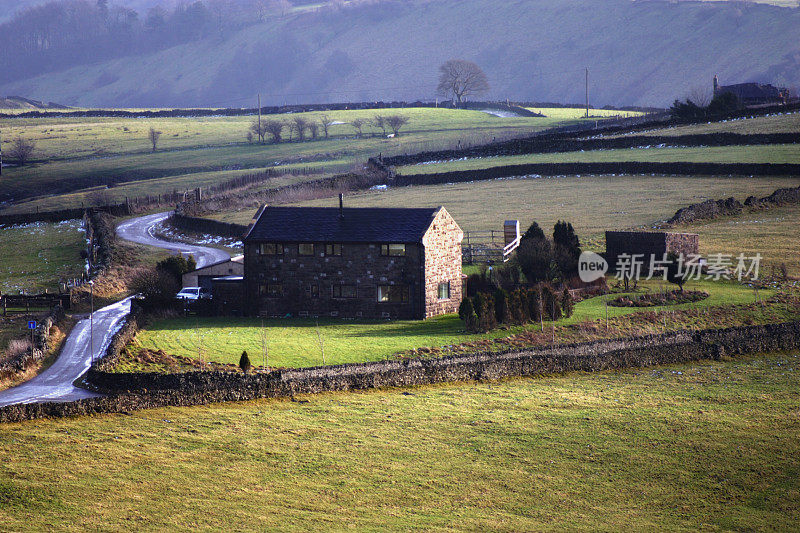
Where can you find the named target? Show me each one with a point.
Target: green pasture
(773, 153)
(35, 257)
(708, 445)
(576, 113)
(295, 342)
(78, 150)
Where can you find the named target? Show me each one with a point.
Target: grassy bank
(772, 233)
(706, 445)
(295, 342)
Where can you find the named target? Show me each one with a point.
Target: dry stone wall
(127, 392)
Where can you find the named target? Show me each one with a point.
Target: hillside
(532, 50)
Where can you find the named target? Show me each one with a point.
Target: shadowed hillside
(531, 50)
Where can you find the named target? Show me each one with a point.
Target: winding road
(56, 383)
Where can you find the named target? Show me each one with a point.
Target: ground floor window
(270, 290)
(444, 290)
(312, 290)
(393, 293)
(333, 249)
(344, 291)
(305, 249)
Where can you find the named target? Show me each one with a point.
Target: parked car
(192, 293)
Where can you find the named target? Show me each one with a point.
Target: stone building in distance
(352, 262)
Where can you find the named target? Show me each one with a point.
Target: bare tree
(274, 128)
(326, 122)
(459, 79)
(396, 122)
(22, 150)
(357, 125)
(300, 125)
(154, 135)
(313, 128)
(700, 96)
(379, 121)
(259, 129)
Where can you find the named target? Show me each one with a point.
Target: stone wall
(442, 264)
(128, 392)
(308, 282)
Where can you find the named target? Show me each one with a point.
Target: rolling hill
(638, 53)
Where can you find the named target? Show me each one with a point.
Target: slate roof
(323, 224)
(751, 91)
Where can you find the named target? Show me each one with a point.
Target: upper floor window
(305, 249)
(393, 249)
(270, 248)
(444, 290)
(333, 249)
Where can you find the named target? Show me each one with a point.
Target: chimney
(510, 231)
(341, 205)
(716, 84)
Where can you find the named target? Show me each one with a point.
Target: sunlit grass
(707, 445)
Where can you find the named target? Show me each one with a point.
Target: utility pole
(587, 91)
(260, 138)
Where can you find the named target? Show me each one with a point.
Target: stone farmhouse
(352, 262)
(752, 93)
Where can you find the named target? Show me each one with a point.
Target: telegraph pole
(587, 92)
(259, 118)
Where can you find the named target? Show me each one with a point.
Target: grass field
(592, 203)
(294, 342)
(576, 113)
(35, 257)
(773, 233)
(782, 123)
(773, 153)
(708, 445)
(71, 150)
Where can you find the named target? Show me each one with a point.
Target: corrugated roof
(323, 224)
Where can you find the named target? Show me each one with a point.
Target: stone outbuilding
(203, 276)
(352, 262)
(647, 243)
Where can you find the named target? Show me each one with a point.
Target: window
(394, 250)
(393, 293)
(270, 248)
(344, 291)
(312, 290)
(271, 290)
(305, 249)
(444, 290)
(333, 249)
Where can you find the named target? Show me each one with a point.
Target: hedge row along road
(56, 384)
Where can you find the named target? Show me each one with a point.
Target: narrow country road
(56, 383)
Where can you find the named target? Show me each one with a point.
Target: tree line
(300, 128)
